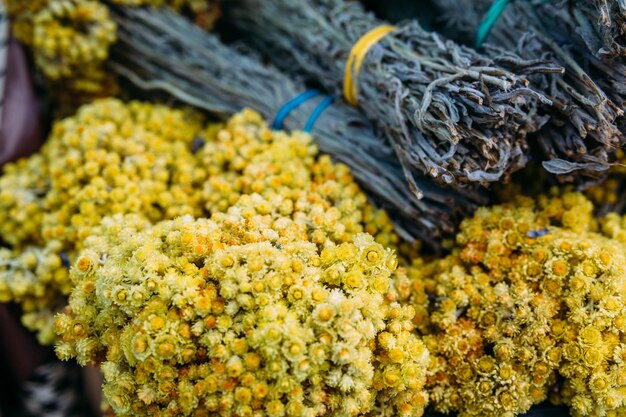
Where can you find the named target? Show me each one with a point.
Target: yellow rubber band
(357, 56)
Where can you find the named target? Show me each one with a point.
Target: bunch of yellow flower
(22, 13)
(26, 277)
(530, 291)
(241, 315)
(109, 158)
(70, 40)
(23, 185)
(71, 37)
(113, 158)
(246, 157)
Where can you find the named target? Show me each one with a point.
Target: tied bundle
(449, 111)
(562, 24)
(601, 25)
(160, 51)
(583, 131)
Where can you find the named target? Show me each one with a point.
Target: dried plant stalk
(160, 51)
(562, 23)
(451, 112)
(601, 24)
(579, 140)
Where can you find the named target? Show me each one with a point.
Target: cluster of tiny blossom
(245, 157)
(70, 41)
(26, 277)
(241, 315)
(23, 185)
(113, 158)
(109, 158)
(533, 290)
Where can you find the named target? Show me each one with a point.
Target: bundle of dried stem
(579, 140)
(601, 24)
(451, 112)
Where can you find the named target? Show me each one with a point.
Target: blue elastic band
(317, 112)
(538, 233)
(65, 260)
(489, 20)
(289, 106)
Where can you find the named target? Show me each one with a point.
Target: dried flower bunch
(567, 25)
(197, 68)
(533, 290)
(571, 24)
(580, 139)
(70, 40)
(37, 279)
(109, 158)
(450, 112)
(241, 315)
(278, 307)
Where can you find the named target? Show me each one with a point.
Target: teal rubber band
(317, 112)
(490, 19)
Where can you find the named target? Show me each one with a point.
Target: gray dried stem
(601, 24)
(583, 132)
(449, 111)
(160, 51)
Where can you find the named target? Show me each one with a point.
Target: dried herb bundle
(601, 24)
(451, 112)
(582, 134)
(562, 24)
(160, 51)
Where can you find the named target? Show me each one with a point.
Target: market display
(309, 211)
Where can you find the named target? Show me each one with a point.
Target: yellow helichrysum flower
(531, 291)
(264, 336)
(117, 153)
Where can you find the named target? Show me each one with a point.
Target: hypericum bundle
(564, 25)
(158, 50)
(449, 111)
(240, 316)
(580, 138)
(530, 292)
(601, 25)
